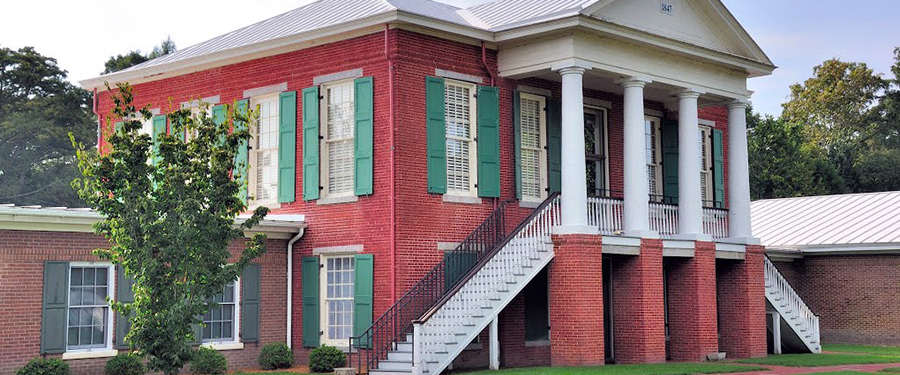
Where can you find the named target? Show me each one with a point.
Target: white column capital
(633, 81)
(572, 70)
(738, 103)
(689, 93)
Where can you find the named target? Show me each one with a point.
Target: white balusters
(792, 308)
(605, 214)
(664, 219)
(715, 222)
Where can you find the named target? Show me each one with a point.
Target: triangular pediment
(705, 23)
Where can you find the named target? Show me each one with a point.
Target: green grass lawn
(839, 373)
(816, 360)
(649, 369)
(862, 349)
(893, 370)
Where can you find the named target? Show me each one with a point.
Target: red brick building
(841, 253)
(510, 184)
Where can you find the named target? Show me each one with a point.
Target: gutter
(393, 209)
(290, 283)
(97, 113)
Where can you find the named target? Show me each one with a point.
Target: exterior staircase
(802, 325)
(428, 343)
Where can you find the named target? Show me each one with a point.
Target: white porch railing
(605, 214)
(664, 219)
(715, 222)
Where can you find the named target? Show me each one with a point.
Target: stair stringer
(497, 307)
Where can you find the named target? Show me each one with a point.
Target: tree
(784, 163)
(121, 62)
(38, 107)
(169, 211)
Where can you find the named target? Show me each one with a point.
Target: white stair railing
(605, 214)
(445, 331)
(792, 308)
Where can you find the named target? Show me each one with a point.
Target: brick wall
(22, 257)
(692, 304)
(576, 320)
(740, 286)
(638, 311)
(514, 350)
(857, 297)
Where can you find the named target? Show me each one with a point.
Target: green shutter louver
(310, 289)
(488, 106)
(287, 146)
(218, 117)
(54, 307)
(363, 287)
(241, 159)
(669, 142)
(363, 139)
(435, 135)
(554, 145)
(250, 303)
(517, 141)
(124, 294)
(311, 143)
(159, 130)
(718, 168)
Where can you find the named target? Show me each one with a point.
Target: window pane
(266, 149)
(460, 139)
(339, 298)
(88, 277)
(531, 148)
(75, 276)
(339, 128)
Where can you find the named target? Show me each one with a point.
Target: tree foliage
(38, 108)
(169, 222)
(121, 62)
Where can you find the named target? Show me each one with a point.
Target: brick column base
(638, 311)
(576, 301)
(692, 304)
(742, 305)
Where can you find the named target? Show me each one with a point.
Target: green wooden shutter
(287, 146)
(198, 333)
(218, 116)
(364, 115)
(517, 141)
(718, 169)
(241, 159)
(488, 106)
(250, 304)
(436, 135)
(124, 294)
(311, 143)
(310, 280)
(554, 145)
(118, 126)
(159, 130)
(456, 265)
(363, 293)
(54, 308)
(669, 142)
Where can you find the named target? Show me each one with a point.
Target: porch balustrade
(606, 214)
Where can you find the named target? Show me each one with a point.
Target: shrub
(325, 358)
(208, 362)
(41, 366)
(124, 364)
(275, 356)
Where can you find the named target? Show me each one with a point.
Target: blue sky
(796, 34)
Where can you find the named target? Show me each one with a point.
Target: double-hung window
(533, 146)
(220, 322)
(89, 314)
(460, 112)
(706, 166)
(338, 289)
(263, 155)
(595, 150)
(337, 139)
(654, 157)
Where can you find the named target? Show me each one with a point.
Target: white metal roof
(851, 222)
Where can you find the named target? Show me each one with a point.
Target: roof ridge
(829, 196)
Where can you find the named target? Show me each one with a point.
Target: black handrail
(374, 344)
(485, 259)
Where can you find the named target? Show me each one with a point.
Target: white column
(776, 332)
(738, 173)
(690, 204)
(573, 202)
(637, 191)
(494, 344)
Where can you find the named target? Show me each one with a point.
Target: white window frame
(323, 298)
(656, 125)
(603, 132)
(543, 175)
(706, 156)
(473, 135)
(236, 329)
(107, 350)
(324, 141)
(253, 156)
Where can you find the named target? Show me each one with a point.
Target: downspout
(97, 113)
(493, 81)
(290, 283)
(392, 199)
